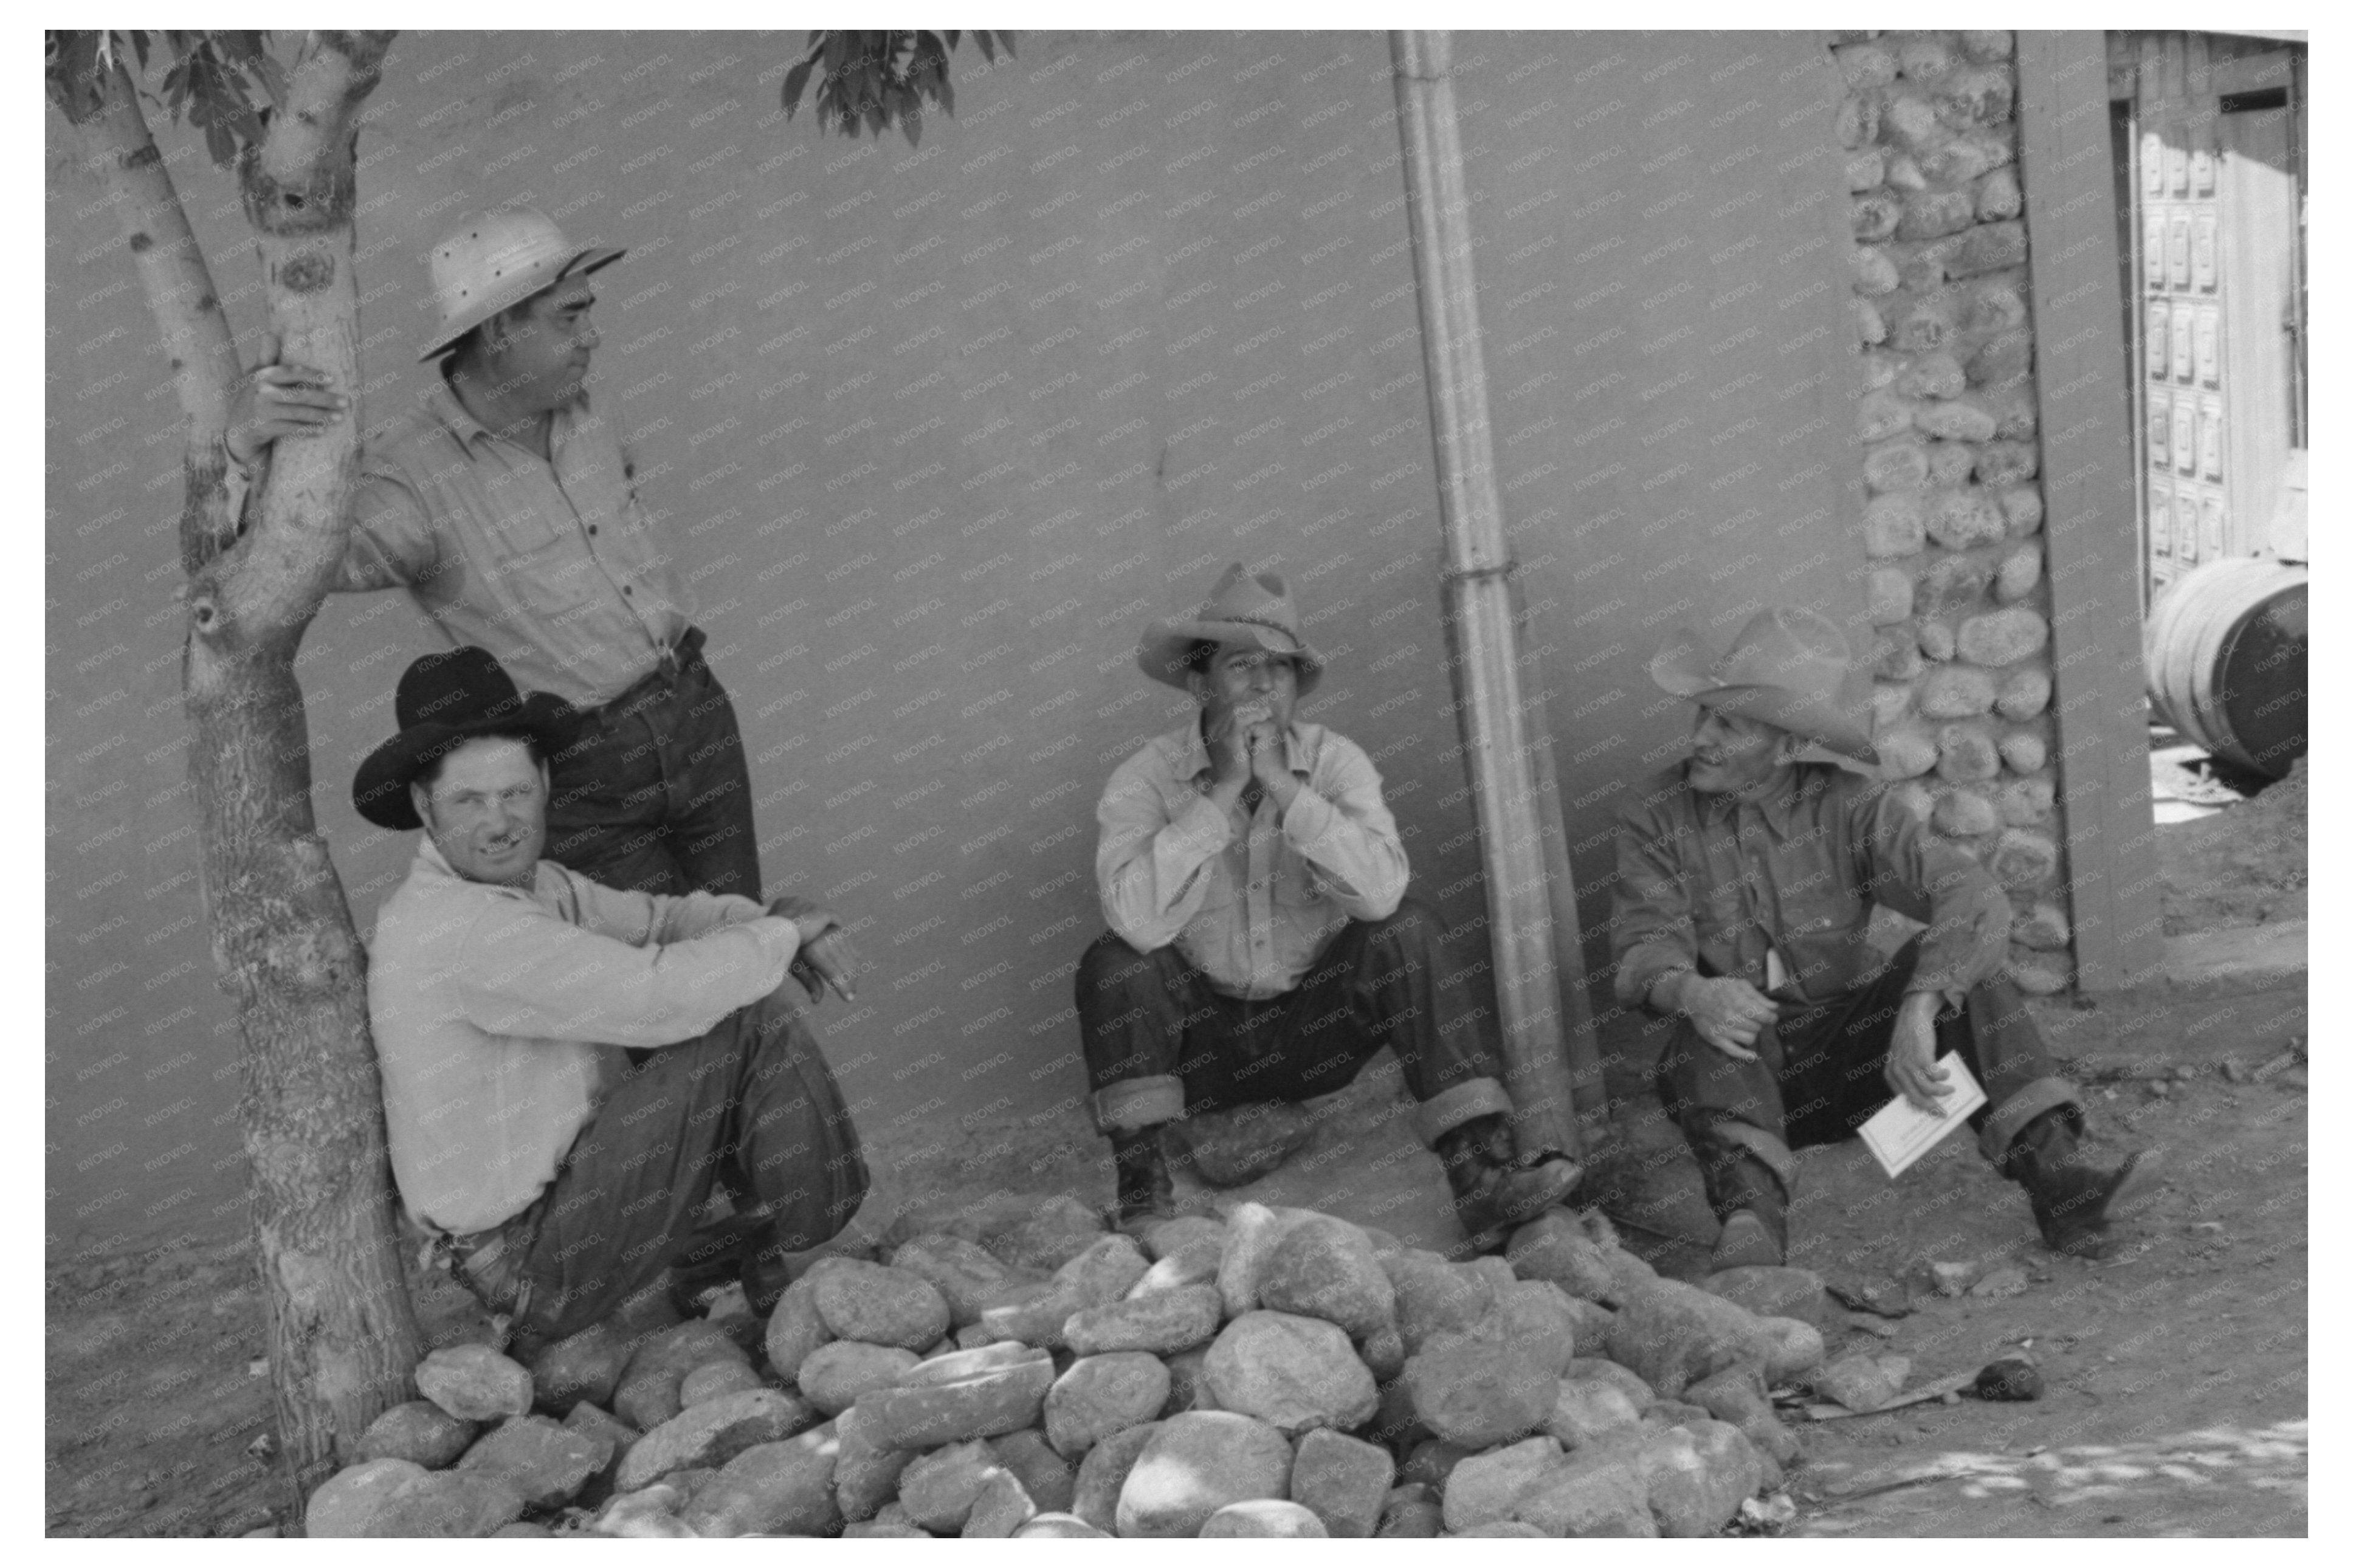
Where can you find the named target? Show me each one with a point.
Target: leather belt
(675, 662)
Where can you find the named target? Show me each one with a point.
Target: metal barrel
(2225, 650)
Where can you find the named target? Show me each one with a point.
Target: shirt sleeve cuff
(1203, 827)
(1640, 971)
(781, 936)
(236, 482)
(1308, 818)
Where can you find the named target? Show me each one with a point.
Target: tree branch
(189, 319)
(298, 185)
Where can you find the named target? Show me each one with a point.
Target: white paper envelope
(1898, 1134)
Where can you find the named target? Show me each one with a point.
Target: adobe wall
(938, 430)
(1662, 280)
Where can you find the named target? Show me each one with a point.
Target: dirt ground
(2175, 1369)
(2242, 866)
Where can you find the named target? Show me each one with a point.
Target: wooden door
(2214, 125)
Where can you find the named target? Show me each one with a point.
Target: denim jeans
(751, 1105)
(654, 795)
(1160, 1042)
(1820, 1072)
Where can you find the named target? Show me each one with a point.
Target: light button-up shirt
(500, 1015)
(552, 565)
(1250, 897)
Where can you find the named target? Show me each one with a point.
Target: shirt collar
(1805, 781)
(442, 400)
(1193, 754)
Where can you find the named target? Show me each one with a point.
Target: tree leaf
(795, 80)
(273, 77)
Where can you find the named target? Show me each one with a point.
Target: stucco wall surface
(1670, 362)
(938, 430)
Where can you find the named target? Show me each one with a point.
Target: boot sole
(1486, 1218)
(1751, 1248)
(2137, 1185)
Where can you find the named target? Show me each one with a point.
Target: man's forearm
(1928, 1002)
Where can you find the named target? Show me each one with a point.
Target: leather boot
(1748, 1201)
(763, 1271)
(2072, 1196)
(1496, 1186)
(1144, 1190)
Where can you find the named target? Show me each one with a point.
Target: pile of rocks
(1274, 1373)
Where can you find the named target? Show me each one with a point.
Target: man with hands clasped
(1747, 877)
(1261, 947)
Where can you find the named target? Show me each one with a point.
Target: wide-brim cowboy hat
(1791, 668)
(1252, 610)
(495, 262)
(444, 700)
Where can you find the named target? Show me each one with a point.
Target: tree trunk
(343, 1336)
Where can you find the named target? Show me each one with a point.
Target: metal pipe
(1499, 740)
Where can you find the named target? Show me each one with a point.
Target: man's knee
(1996, 1003)
(1110, 971)
(1413, 923)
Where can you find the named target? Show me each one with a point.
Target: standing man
(507, 996)
(504, 504)
(1746, 881)
(1261, 947)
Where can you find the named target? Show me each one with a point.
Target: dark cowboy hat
(1789, 667)
(1256, 611)
(443, 700)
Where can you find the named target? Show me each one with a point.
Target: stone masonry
(1953, 525)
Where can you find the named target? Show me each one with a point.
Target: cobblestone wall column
(1954, 519)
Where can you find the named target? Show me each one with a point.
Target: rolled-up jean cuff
(1769, 1151)
(1133, 1104)
(1452, 1106)
(2006, 1121)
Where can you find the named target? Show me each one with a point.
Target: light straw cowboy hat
(1789, 667)
(1243, 608)
(498, 260)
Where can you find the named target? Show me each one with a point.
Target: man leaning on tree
(1746, 880)
(508, 996)
(1261, 948)
(504, 504)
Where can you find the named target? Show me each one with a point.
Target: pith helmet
(498, 260)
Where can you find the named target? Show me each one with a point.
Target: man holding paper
(1747, 877)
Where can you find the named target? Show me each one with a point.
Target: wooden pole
(2092, 540)
(1529, 912)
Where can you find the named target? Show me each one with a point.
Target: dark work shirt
(1707, 877)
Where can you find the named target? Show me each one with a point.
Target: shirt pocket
(1817, 906)
(1296, 885)
(524, 514)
